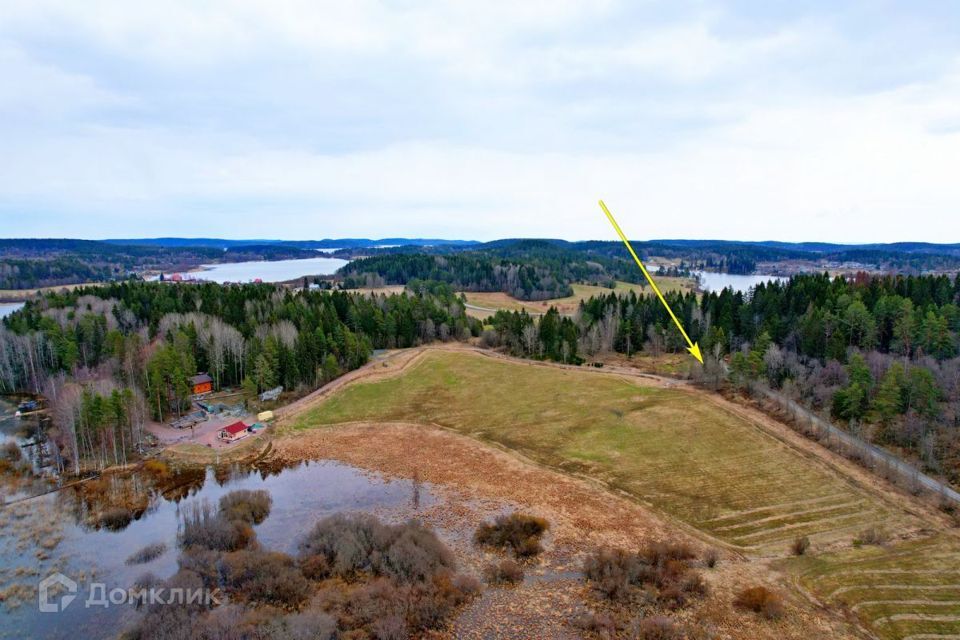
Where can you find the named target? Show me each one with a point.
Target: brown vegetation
(518, 532)
(346, 546)
(760, 600)
(146, 554)
(248, 506)
(362, 578)
(204, 527)
(503, 572)
(800, 545)
(662, 568)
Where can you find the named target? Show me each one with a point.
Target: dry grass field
(20, 295)
(666, 447)
(489, 303)
(910, 590)
(695, 459)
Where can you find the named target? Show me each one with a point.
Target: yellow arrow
(694, 347)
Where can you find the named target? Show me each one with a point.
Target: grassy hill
(691, 458)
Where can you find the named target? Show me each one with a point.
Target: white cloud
(302, 119)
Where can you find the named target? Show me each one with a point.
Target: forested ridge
(108, 357)
(463, 271)
(31, 263)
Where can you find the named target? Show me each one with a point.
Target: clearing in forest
(488, 303)
(667, 447)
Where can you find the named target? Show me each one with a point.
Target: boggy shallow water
(65, 532)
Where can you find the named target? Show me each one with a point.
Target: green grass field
(910, 590)
(669, 448)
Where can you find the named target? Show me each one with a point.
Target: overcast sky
(835, 121)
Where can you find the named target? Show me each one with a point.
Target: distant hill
(328, 243)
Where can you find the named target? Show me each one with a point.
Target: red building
(201, 383)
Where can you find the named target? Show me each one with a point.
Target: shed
(236, 431)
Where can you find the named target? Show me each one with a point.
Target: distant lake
(6, 308)
(710, 281)
(267, 271)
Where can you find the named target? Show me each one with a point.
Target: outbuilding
(234, 432)
(201, 383)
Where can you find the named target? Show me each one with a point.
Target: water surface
(6, 308)
(711, 281)
(265, 270)
(88, 552)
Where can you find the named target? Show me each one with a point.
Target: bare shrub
(519, 532)
(252, 507)
(616, 573)
(421, 605)
(391, 627)
(157, 468)
(204, 527)
(203, 562)
(308, 625)
(163, 620)
(597, 623)
(678, 592)
(660, 552)
(468, 585)
(147, 553)
(10, 452)
(800, 545)
(345, 545)
(431, 602)
(711, 558)
(504, 572)
(656, 628)
(873, 536)
(760, 600)
(266, 577)
(116, 518)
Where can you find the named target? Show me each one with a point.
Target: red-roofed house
(234, 432)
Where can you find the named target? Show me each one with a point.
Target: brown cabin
(201, 383)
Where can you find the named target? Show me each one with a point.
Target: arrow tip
(695, 351)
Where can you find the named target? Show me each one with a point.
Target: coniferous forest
(108, 358)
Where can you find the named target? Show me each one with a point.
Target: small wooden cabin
(234, 432)
(201, 383)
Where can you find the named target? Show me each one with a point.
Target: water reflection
(90, 529)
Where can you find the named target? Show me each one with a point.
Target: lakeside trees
(143, 341)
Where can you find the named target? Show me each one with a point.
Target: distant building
(201, 383)
(176, 277)
(234, 432)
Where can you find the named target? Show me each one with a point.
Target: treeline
(879, 354)
(31, 263)
(463, 271)
(30, 274)
(145, 340)
(626, 323)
